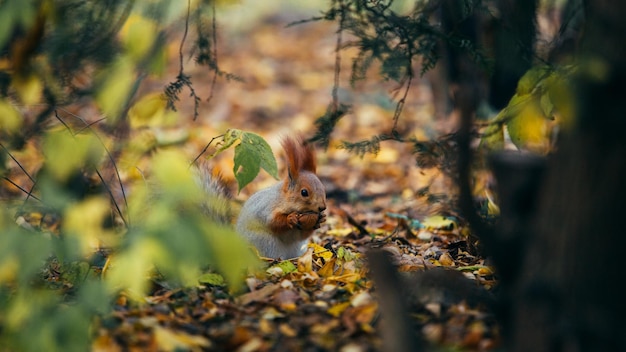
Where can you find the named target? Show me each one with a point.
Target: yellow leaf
(328, 269)
(116, 86)
(138, 146)
(492, 208)
(438, 222)
(158, 62)
(84, 220)
(485, 271)
(151, 110)
(346, 278)
(175, 179)
(337, 309)
(10, 118)
(286, 330)
(232, 254)
(21, 309)
(530, 129)
(320, 251)
(138, 36)
(66, 153)
(305, 262)
(365, 314)
(446, 260)
(172, 340)
(130, 269)
(227, 2)
(8, 268)
(340, 232)
(387, 156)
(28, 88)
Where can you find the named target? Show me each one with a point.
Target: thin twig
(335, 93)
(17, 162)
(400, 104)
(182, 80)
(205, 149)
(362, 230)
(182, 42)
(29, 193)
(67, 127)
(106, 150)
(88, 127)
(216, 68)
(21, 189)
(117, 207)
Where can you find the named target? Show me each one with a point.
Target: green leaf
(11, 118)
(345, 254)
(230, 254)
(247, 166)
(252, 154)
(67, 153)
(212, 279)
(531, 79)
(286, 266)
(230, 137)
(493, 137)
(75, 272)
(547, 106)
(151, 111)
(116, 85)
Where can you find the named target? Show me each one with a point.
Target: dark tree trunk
(568, 297)
(513, 44)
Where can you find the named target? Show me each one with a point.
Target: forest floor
(325, 300)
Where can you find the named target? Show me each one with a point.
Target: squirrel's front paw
(321, 218)
(293, 220)
(303, 221)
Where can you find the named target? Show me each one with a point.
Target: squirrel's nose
(322, 208)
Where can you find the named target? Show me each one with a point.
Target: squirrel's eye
(304, 192)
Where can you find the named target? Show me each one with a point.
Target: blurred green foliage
(93, 241)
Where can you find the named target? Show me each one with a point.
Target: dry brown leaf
(258, 295)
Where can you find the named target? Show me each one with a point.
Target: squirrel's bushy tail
(218, 199)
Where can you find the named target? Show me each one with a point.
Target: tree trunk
(513, 44)
(568, 297)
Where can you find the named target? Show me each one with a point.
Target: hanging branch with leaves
(204, 53)
(183, 80)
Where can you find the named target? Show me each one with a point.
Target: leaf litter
(325, 299)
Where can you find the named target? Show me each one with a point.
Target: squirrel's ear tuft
(308, 157)
(294, 157)
(300, 156)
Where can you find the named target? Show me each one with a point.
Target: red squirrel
(278, 220)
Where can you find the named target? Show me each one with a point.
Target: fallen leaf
(173, 340)
(338, 308)
(258, 295)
